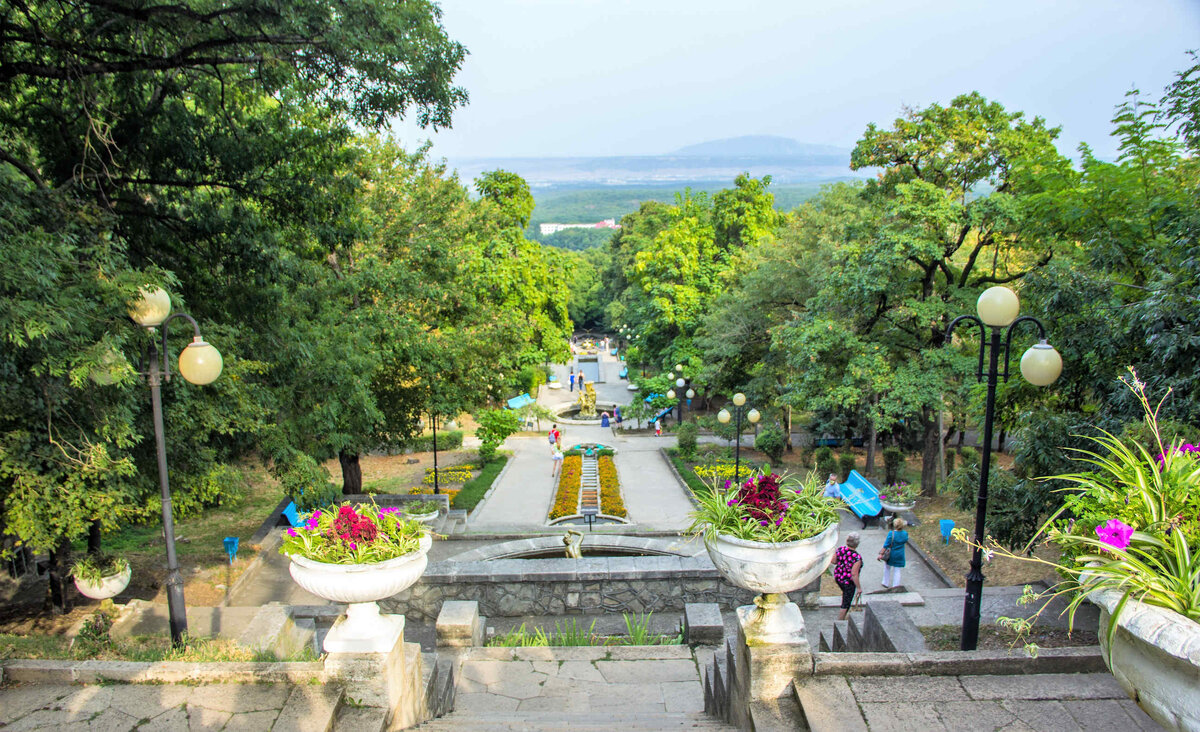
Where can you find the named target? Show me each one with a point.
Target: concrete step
(360, 719)
(310, 708)
(826, 704)
(605, 721)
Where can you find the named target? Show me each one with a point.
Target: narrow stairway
(591, 688)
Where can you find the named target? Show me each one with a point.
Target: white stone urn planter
(897, 507)
(108, 587)
(773, 570)
(363, 629)
(1155, 656)
(422, 518)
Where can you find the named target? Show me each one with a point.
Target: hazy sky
(644, 77)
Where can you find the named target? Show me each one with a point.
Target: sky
(551, 78)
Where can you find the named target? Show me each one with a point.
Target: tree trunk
(58, 600)
(351, 472)
(1003, 438)
(871, 437)
(788, 444)
(941, 444)
(929, 452)
(94, 538)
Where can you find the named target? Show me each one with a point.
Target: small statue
(587, 400)
(572, 540)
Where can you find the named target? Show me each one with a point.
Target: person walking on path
(657, 428)
(617, 415)
(846, 565)
(557, 461)
(553, 436)
(571, 378)
(892, 553)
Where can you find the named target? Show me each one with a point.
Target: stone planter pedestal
(362, 629)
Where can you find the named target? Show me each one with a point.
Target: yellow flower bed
(610, 489)
(453, 474)
(566, 501)
(719, 471)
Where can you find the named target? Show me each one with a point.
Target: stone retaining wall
(516, 587)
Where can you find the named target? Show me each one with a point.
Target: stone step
(605, 721)
(310, 707)
(827, 704)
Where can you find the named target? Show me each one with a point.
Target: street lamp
(739, 402)
(200, 364)
(1041, 365)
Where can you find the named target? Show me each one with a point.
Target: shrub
(221, 485)
(968, 456)
(826, 463)
(494, 426)
(949, 462)
(306, 482)
(771, 442)
(448, 440)
(893, 458)
(846, 463)
(450, 474)
(685, 438)
(806, 456)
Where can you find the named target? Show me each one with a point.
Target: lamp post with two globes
(723, 416)
(200, 363)
(1041, 366)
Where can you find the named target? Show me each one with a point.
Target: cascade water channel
(589, 482)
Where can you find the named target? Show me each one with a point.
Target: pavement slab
(172, 720)
(647, 672)
(908, 689)
(901, 717)
(1043, 686)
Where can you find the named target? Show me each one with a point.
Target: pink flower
(1115, 533)
(291, 532)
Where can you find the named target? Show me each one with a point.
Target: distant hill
(757, 146)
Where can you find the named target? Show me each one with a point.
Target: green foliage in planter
(893, 458)
(846, 462)
(771, 442)
(94, 568)
(826, 463)
(685, 438)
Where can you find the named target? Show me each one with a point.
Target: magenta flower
(731, 502)
(1115, 533)
(291, 532)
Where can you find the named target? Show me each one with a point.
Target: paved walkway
(167, 707)
(654, 498)
(1050, 702)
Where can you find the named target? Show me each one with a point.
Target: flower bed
(611, 503)
(452, 474)
(566, 501)
(719, 472)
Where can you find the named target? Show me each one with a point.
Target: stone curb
(580, 653)
(933, 566)
(163, 672)
(687, 489)
(1086, 659)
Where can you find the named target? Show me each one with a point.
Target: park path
(654, 498)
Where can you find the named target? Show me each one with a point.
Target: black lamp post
(200, 364)
(1041, 365)
(723, 416)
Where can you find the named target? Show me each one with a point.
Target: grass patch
(146, 649)
(697, 486)
(473, 490)
(998, 638)
(391, 485)
(571, 633)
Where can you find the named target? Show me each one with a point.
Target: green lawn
(473, 490)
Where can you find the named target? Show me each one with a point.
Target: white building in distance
(548, 229)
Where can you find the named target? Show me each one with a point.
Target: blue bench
(861, 498)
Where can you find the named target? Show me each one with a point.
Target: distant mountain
(757, 146)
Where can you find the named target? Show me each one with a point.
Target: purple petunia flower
(731, 502)
(1115, 533)
(291, 532)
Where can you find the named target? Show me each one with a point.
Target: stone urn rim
(895, 507)
(1154, 654)
(770, 544)
(426, 541)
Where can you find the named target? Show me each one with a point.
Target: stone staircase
(589, 484)
(589, 688)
